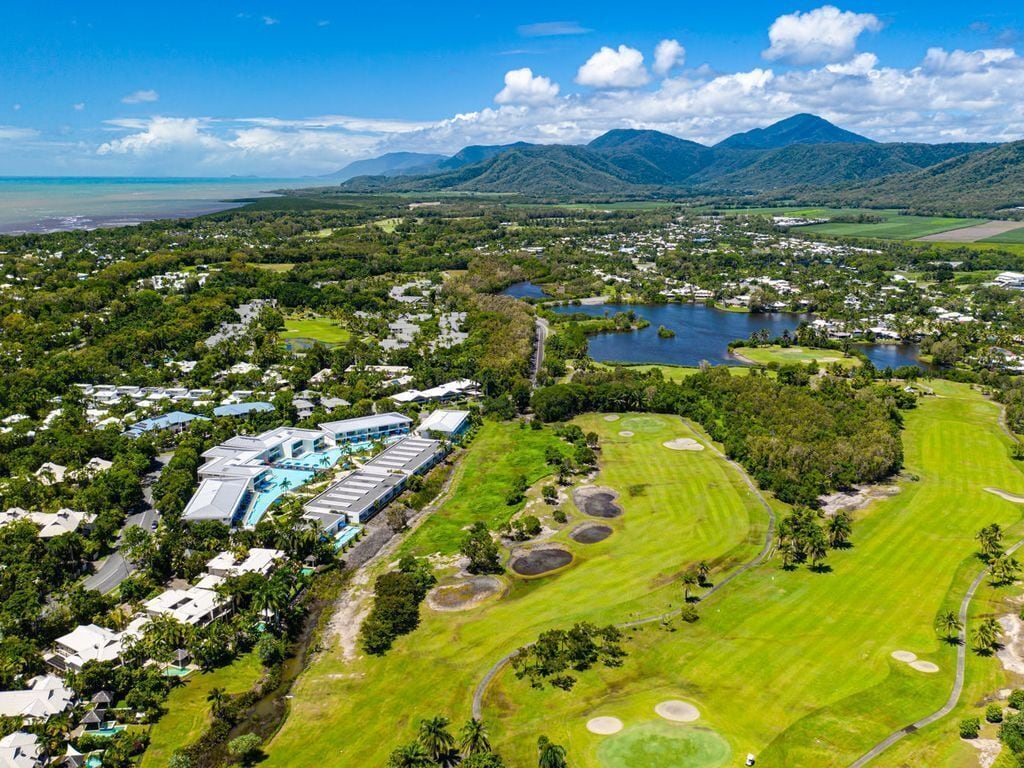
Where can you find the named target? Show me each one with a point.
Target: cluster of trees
(396, 605)
(805, 537)
(481, 550)
(557, 652)
(436, 747)
(797, 441)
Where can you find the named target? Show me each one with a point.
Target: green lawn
(675, 372)
(322, 329)
(802, 355)
(1013, 236)
(499, 453)
(286, 267)
(690, 506)
(895, 227)
(188, 713)
(794, 667)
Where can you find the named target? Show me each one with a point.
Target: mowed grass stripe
(695, 507)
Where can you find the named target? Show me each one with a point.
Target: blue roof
(240, 409)
(167, 420)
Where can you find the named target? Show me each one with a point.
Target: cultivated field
(894, 227)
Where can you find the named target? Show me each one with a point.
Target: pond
(524, 290)
(704, 333)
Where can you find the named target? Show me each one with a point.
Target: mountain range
(803, 158)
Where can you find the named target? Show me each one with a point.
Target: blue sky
(277, 88)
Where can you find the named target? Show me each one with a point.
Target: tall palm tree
(435, 738)
(217, 697)
(550, 755)
(410, 756)
(703, 569)
(949, 624)
(689, 581)
(839, 529)
(473, 738)
(986, 634)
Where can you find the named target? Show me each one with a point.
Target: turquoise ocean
(54, 204)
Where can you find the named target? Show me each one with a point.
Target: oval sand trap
(905, 656)
(924, 666)
(540, 561)
(604, 726)
(683, 444)
(625, 433)
(678, 711)
(588, 533)
(597, 501)
(612, 417)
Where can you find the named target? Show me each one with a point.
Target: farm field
(688, 506)
(188, 713)
(895, 227)
(1013, 236)
(802, 355)
(322, 329)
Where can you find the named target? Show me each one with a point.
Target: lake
(704, 333)
(524, 290)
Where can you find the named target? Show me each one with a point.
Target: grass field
(388, 225)
(1013, 236)
(499, 453)
(188, 713)
(322, 329)
(675, 372)
(794, 667)
(895, 226)
(802, 355)
(286, 267)
(692, 506)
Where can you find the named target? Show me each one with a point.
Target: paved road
(115, 569)
(484, 684)
(538, 354)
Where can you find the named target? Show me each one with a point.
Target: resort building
(261, 561)
(453, 390)
(196, 606)
(45, 696)
(176, 421)
(50, 524)
(89, 642)
(448, 424)
(367, 428)
(20, 750)
(365, 492)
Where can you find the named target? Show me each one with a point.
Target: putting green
(641, 424)
(660, 745)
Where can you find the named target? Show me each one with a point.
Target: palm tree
(410, 756)
(703, 569)
(949, 624)
(435, 738)
(1004, 569)
(473, 738)
(218, 697)
(985, 635)
(839, 529)
(990, 537)
(551, 755)
(817, 550)
(689, 580)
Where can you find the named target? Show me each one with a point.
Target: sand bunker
(464, 594)
(924, 666)
(590, 534)
(538, 561)
(612, 417)
(1006, 495)
(858, 498)
(683, 444)
(988, 750)
(625, 433)
(678, 711)
(597, 501)
(604, 726)
(1011, 655)
(905, 656)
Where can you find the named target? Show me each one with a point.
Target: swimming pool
(345, 535)
(278, 482)
(107, 731)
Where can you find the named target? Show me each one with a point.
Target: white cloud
(940, 60)
(323, 23)
(270, 21)
(523, 87)
(611, 68)
(824, 35)
(79, 106)
(861, 64)
(16, 107)
(11, 133)
(553, 29)
(160, 134)
(668, 54)
(141, 97)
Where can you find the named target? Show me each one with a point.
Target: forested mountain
(981, 183)
(803, 156)
(391, 164)
(798, 129)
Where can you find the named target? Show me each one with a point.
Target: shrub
(994, 713)
(689, 614)
(970, 727)
(1017, 699)
(560, 516)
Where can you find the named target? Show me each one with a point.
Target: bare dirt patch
(973, 234)
(539, 561)
(1011, 655)
(588, 533)
(988, 750)
(597, 501)
(604, 726)
(924, 666)
(858, 498)
(677, 711)
(905, 656)
(1006, 495)
(683, 444)
(463, 594)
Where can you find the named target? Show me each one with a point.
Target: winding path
(961, 653)
(485, 682)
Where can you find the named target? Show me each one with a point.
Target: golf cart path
(485, 682)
